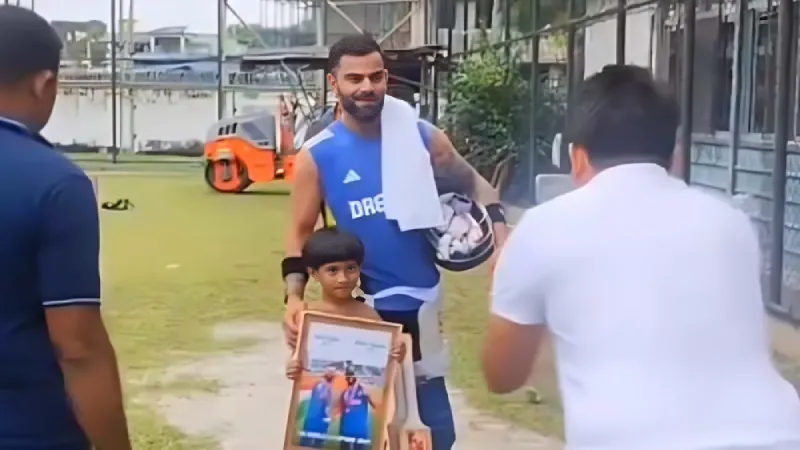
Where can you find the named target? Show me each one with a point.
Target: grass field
(187, 258)
(126, 162)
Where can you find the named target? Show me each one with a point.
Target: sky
(199, 15)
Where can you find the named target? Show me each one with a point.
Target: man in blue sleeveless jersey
(317, 420)
(342, 167)
(59, 384)
(354, 424)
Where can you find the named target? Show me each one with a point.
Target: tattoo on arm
(453, 173)
(295, 284)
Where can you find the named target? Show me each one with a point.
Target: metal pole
(429, 71)
(131, 92)
(622, 21)
(464, 27)
(506, 28)
(449, 50)
(123, 72)
(783, 75)
(534, 88)
(687, 86)
(114, 142)
(221, 8)
(433, 114)
(322, 22)
(566, 164)
(737, 91)
(322, 41)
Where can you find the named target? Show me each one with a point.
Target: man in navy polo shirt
(59, 383)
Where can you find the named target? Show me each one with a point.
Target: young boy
(334, 259)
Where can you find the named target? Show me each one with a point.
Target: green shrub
(488, 97)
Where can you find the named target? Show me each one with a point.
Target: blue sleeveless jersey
(355, 421)
(317, 408)
(349, 167)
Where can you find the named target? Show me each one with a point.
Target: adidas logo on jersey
(351, 177)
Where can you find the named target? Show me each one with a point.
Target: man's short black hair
(351, 45)
(28, 44)
(622, 115)
(330, 245)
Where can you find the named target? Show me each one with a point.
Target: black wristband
(293, 265)
(496, 212)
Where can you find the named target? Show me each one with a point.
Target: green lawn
(187, 258)
(127, 162)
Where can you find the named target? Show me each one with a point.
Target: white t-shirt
(651, 292)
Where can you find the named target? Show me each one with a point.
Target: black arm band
(496, 212)
(294, 265)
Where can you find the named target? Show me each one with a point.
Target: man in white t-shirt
(650, 291)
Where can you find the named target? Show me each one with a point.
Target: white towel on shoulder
(409, 190)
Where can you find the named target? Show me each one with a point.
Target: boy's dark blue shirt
(49, 251)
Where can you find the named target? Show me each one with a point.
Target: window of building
(765, 47)
(713, 65)
(765, 53)
(723, 79)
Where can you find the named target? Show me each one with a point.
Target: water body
(86, 117)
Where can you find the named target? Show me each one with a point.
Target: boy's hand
(294, 369)
(291, 319)
(399, 351)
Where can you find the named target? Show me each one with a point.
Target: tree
(488, 97)
(489, 113)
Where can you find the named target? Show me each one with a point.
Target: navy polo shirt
(49, 251)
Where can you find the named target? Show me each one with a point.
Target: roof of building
(168, 30)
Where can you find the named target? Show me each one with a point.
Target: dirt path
(249, 411)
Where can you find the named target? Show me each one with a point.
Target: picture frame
(342, 399)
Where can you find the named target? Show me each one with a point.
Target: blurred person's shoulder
(718, 205)
(562, 206)
(34, 171)
(554, 217)
(728, 214)
(35, 158)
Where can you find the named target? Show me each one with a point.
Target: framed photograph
(341, 400)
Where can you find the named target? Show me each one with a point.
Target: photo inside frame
(340, 400)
